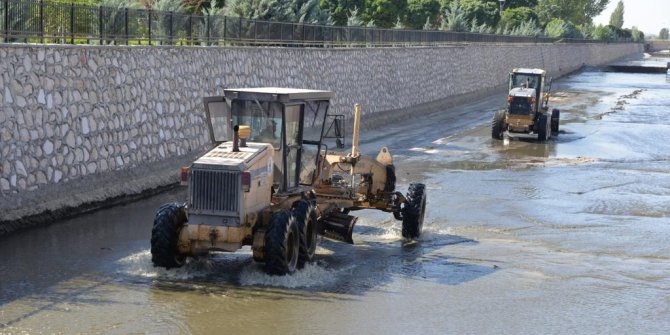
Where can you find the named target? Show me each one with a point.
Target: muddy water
(571, 236)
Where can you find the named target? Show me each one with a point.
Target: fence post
(149, 13)
(6, 27)
(225, 28)
(239, 31)
(100, 23)
(207, 17)
(72, 23)
(41, 21)
(170, 30)
(190, 29)
(125, 14)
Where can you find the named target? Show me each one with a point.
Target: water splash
(139, 265)
(312, 275)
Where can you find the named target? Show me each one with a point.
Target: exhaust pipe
(357, 126)
(354, 142)
(236, 139)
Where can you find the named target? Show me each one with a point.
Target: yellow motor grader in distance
(527, 112)
(271, 181)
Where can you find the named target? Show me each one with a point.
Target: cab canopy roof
(276, 94)
(529, 71)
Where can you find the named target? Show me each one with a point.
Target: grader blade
(338, 226)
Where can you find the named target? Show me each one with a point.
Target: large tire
(282, 244)
(168, 222)
(542, 133)
(414, 211)
(555, 120)
(498, 125)
(305, 216)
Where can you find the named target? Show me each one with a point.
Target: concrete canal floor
(571, 236)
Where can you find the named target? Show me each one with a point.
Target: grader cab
(527, 112)
(272, 182)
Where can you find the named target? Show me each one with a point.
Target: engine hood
(522, 92)
(223, 157)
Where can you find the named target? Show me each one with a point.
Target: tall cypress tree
(616, 19)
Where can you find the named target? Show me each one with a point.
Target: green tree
(576, 11)
(663, 34)
(384, 12)
(399, 24)
(616, 19)
(340, 10)
(267, 10)
(475, 27)
(428, 25)
(586, 30)
(604, 33)
(620, 33)
(559, 28)
(454, 19)
(555, 28)
(418, 11)
(520, 3)
(86, 2)
(484, 11)
(514, 17)
(310, 12)
(353, 19)
(527, 28)
(637, 35)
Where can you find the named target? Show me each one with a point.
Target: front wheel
(282, 244)
(168, 223)
(555, 118)
(305, 216)
(414, 211)
(498, 125)
(542, 133)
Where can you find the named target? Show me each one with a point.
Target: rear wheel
(414, 211)
(168, 223)
(542, 134)
(282, 242)
(498, 125)
(555, 118)
(305, 216)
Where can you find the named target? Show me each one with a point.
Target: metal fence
(47, 22)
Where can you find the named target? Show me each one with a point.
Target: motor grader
(527, 112)
(272, 182)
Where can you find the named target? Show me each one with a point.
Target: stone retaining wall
(70, 114)
(658, 45)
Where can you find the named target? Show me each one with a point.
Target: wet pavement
(569, 236)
